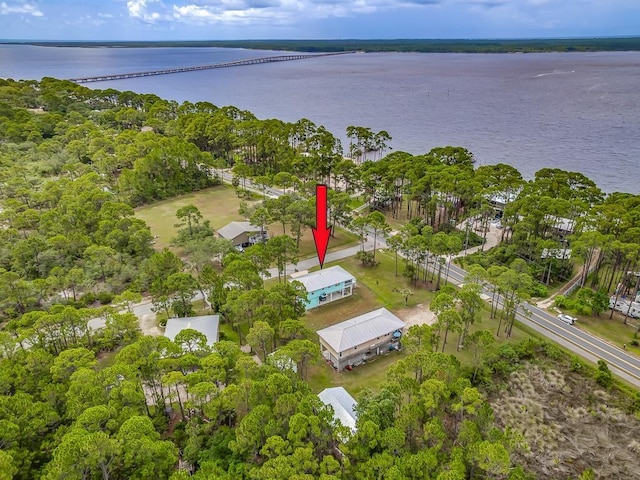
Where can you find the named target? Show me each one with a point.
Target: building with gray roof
(242, 234)
(206, 324)
(343, 406)
(352, 342)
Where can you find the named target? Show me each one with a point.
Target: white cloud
(141, 10)
(23, 8)
(543, 13)
(244, 12)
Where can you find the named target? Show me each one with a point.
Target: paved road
(329, 257)
(227, 177)
(590, 347)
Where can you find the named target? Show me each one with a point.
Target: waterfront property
(326, 285)
(206, 324)
(242, 234)
(352, 342)
(343, 406)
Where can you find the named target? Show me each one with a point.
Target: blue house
(327, 285)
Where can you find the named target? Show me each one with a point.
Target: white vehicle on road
(567, 318)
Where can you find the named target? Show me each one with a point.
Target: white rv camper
(625, 306)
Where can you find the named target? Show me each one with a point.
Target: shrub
(527, 348)
(87, 299)
(561, 301)
(552, 351)
(603, 375)
(507, 352)
(105, 298)
(539, 290)
(634, 343)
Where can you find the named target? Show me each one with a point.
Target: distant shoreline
(542, 45)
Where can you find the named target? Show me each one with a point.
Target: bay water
(575, 111)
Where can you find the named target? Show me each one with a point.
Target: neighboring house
(343, 405)
(207, 325)
(560, 226)
(500, 200)
(242, 234)
(352, 342)
(326, 285)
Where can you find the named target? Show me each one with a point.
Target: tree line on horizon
(595, 44)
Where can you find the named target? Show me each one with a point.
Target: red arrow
(321, 232)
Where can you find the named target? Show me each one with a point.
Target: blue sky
(242, 19)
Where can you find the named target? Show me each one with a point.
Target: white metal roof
(325, 278)
(561, 223)
(359, 330)
(343, 405)
(206, 324)
(559, 253)
(233, 229)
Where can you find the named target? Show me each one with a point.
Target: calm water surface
(575, 111)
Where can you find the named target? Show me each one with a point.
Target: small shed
(343, 406)
(206, 324)
(352, 342)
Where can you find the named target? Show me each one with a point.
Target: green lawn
(227, 332)
(107, 359)
(356, 202)
(218, 204)
(370, 375)
(614, 330)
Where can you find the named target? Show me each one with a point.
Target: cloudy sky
(243, 19)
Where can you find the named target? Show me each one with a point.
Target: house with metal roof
(242, 234)
(326, 285)
(206, 324)
(343, 406)
(348, 344)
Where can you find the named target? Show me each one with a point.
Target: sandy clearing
(418, 315)
(149, 326)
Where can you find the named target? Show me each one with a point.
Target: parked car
(567, 318)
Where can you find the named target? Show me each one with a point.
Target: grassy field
(220, 206)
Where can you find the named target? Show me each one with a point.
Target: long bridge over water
(237, 63)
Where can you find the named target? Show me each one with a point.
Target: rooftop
(358, 330)
(343, 405)
(324, 278)
(233, 229)
(206, 324)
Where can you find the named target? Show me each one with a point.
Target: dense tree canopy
(74, 162)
